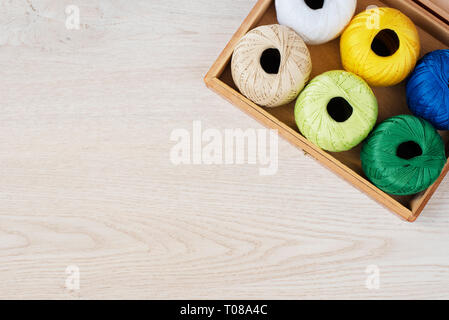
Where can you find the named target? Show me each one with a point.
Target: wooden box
(434, 34)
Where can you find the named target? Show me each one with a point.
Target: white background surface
(86, 180)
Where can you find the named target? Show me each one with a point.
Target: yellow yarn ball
(381, 45)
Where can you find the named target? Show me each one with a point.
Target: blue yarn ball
(428, 89)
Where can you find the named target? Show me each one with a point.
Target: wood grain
(86, 180)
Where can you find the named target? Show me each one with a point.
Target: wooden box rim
(429, 5)
(214, 83)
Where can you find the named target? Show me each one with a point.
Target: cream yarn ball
(271, 65)
(316, 21)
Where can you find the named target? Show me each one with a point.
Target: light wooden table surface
(87, 181)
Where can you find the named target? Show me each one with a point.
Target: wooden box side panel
(439, 8)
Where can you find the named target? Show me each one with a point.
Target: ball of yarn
(380, 45)
(336, 111)
(404, 155)
(316, 21)
(428, 89)
(270, 65)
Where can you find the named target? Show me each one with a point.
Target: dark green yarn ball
(404, 155)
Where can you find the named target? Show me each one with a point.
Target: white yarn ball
(316, 26)
(290, 62)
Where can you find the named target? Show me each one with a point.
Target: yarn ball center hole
(270, 61)
(339, 109)
(409, 150)
(314, 4)
(385, 43)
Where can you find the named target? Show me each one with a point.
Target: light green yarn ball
(336, 111)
